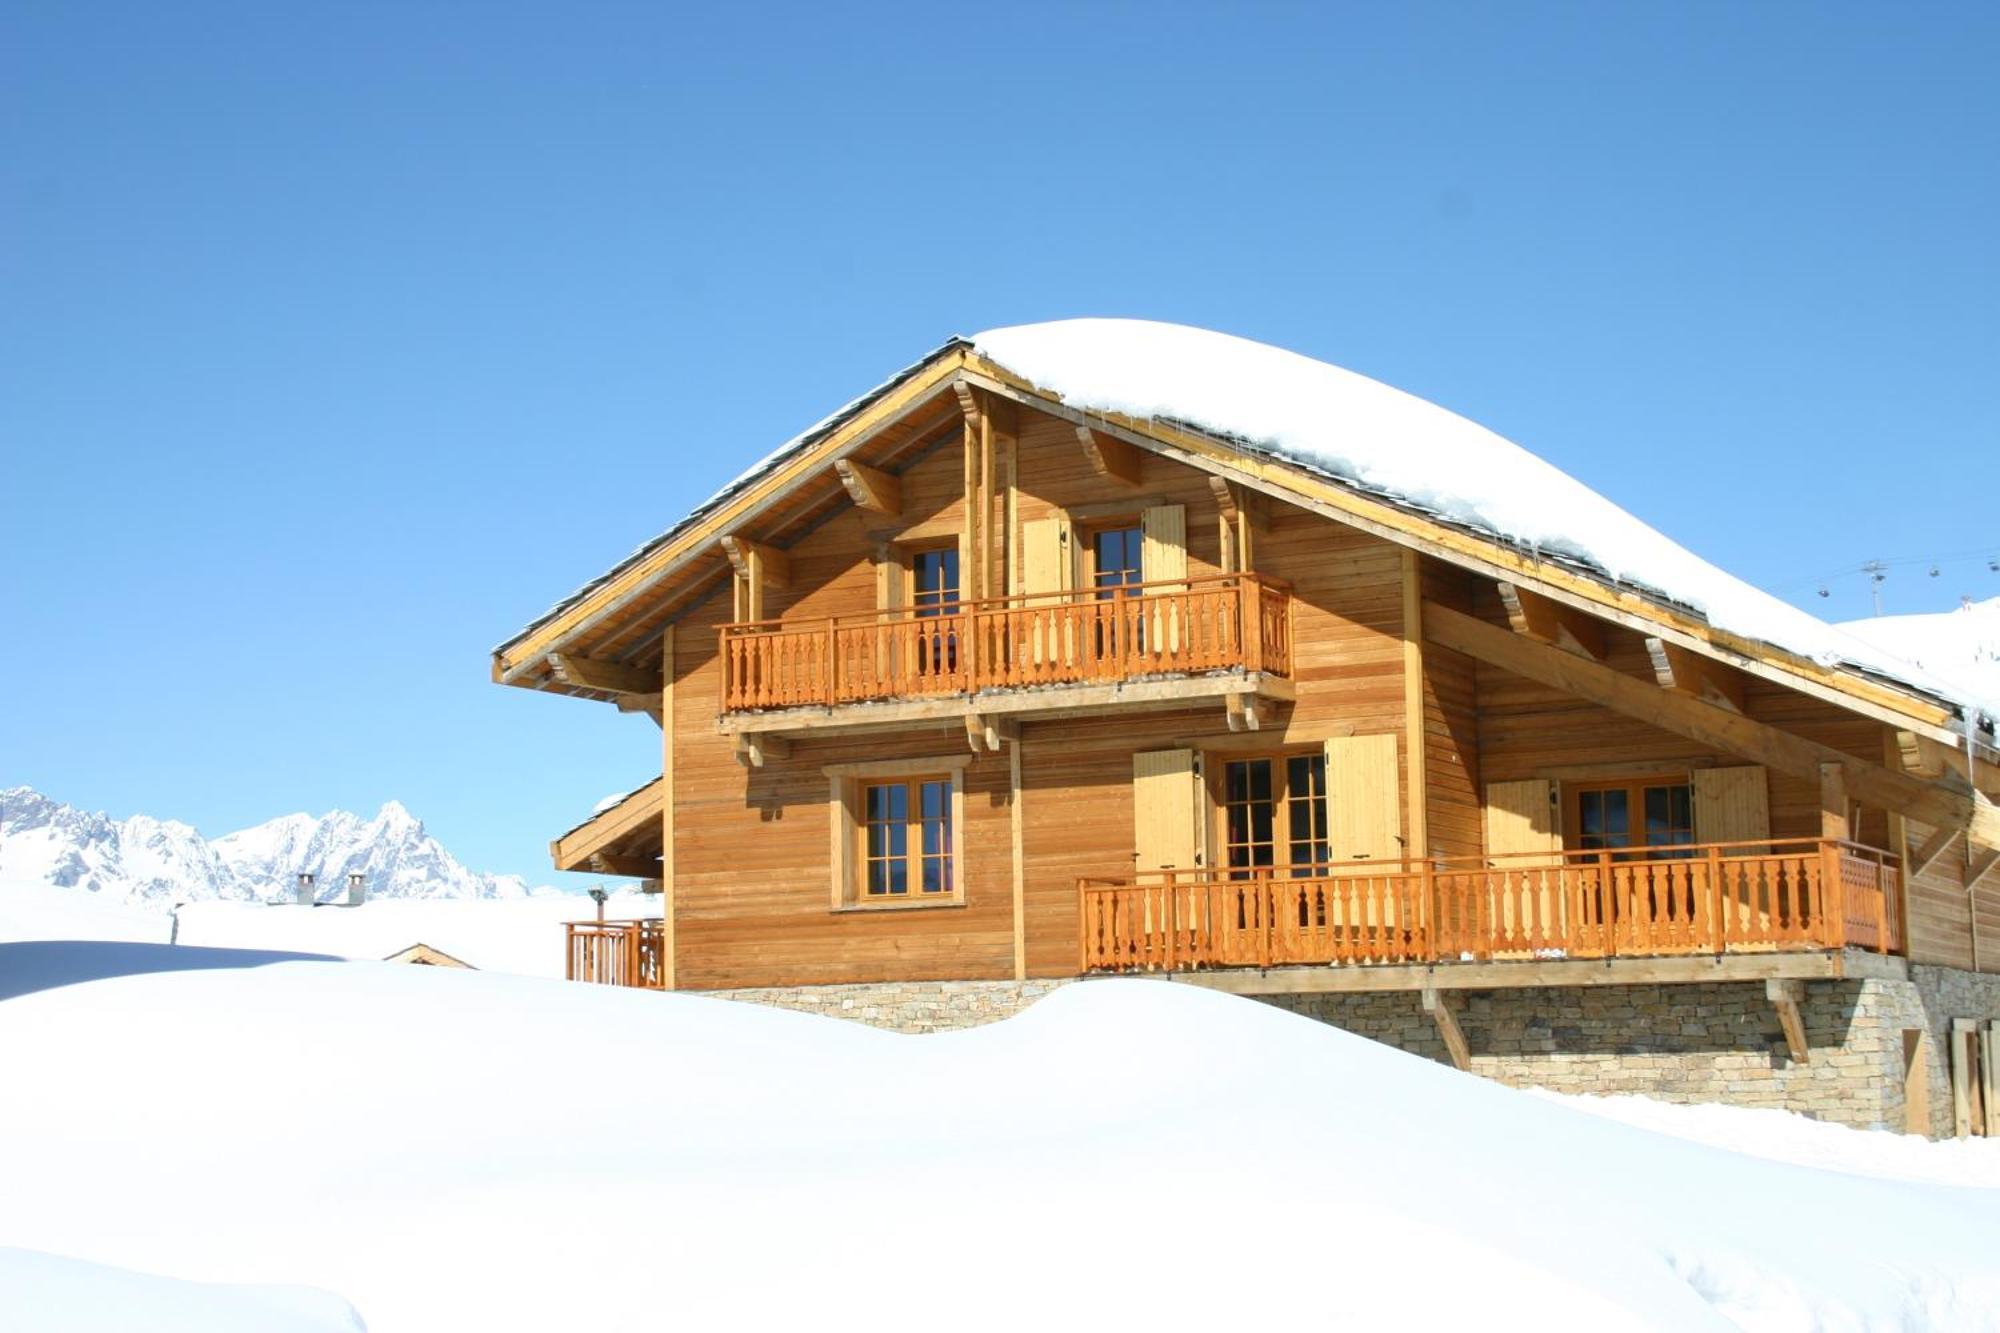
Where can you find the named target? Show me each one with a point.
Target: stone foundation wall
(1718, 1042)
(905, 1006)
(1713, 1042)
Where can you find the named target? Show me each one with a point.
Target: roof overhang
(653, 585)
(625, 838)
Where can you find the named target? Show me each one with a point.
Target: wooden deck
(1234, 622)
(1718, 898)
(617, 953)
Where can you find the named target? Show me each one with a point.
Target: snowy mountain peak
(143, 859)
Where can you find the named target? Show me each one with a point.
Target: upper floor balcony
(1222, 635)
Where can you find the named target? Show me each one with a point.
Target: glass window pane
(878, 877)
(936, 799)
(1260, 779)
(898, 875)
(878, 802)
(935, 879)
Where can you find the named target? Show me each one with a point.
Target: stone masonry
(1707, 1042)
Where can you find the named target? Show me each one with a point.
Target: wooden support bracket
(1555, 623)
(1439, 1007)
(1687, 672)
(1244, 712)
(1109, 456)
(1980, 867)
(642, 703)
(870, 488)
(1924, 857)
(753, 748)
(754, 560)
(614, 677)
(1787, 994)
(984, 734)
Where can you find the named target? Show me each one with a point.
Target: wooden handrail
(1231, 622)
(618, 953)
(1709, 898)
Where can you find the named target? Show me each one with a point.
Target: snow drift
(469, 1151)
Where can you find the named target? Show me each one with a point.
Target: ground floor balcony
(616, 953)
(1185, 638)
(1712, 899)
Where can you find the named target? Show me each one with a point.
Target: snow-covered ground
(520, 935)
(467, 1150)
(47, 1293)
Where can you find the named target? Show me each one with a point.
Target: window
(1271, 805)
(934, 592)
(1651, 813)
(896, 832)
(1116, 559)
(934, 581)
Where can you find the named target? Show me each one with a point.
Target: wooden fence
(617, 953)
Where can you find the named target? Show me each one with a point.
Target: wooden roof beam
(638, 867)
(589, 673)
(1687, 672)
(1731, 733)
(1553, 622)
(754, 560)
(1109, 456)
(871, 488)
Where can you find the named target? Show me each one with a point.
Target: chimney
(357, 888)
(305, 890)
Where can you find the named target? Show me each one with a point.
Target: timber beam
(1549, 621)
(1787, 995)
(753, 748)
(589, 673)
(870, 488)
(650, 705)
(1980, 867)
(1731, 733)
(1688, 672)
(637, 867)
(1442, 1009)
(756, 561)
(1110, 456)
(985, 733)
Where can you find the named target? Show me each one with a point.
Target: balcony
(1214, 630)
(1711, 899)
(616, 953)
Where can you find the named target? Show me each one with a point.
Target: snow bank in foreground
(1396, 444)
(462, 1150)
(46, 1293)
(518, 935)
(1784, 1136)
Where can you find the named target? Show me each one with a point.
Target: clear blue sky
(339, 341)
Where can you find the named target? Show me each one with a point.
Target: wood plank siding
(1063, 810)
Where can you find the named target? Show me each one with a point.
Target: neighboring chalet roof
(1307, 431)
(424, 956)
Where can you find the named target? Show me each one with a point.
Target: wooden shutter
(1045, 555)
(1732, 805)
(890, 578)
(1163, 544)
(1364, 808)
(1166, 810)
(1521, 817)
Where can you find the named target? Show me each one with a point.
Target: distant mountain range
(154, 862)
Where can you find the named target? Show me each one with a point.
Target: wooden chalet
(982, 681)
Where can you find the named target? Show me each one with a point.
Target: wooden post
(667, 808)
(1250, 622)
(1018, 869)
(1717, 938)
(1414, 731)
(831, 641)
(1440, 1010)
(1788, 994)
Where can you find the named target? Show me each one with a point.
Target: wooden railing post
(1427, 946)
(1831, 909)
(831, 640)
(1267, 900)
(1607, 904)
(1715, 887)
(1882, 873)
(1250, 622)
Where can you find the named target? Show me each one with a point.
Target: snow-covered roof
(1380, 441)
(1960, 646)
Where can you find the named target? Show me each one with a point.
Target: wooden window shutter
(1166, 810)
(1045, 555)
(1521, 817)
(1163, 534)
(1732, 805)
(1364, 806)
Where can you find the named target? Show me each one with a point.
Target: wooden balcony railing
(1230, 622)
(1707, 899)
(617, 953)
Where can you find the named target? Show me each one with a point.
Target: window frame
(1217, 765)
(847, 789)
(1635, 788)
(1087, 535)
